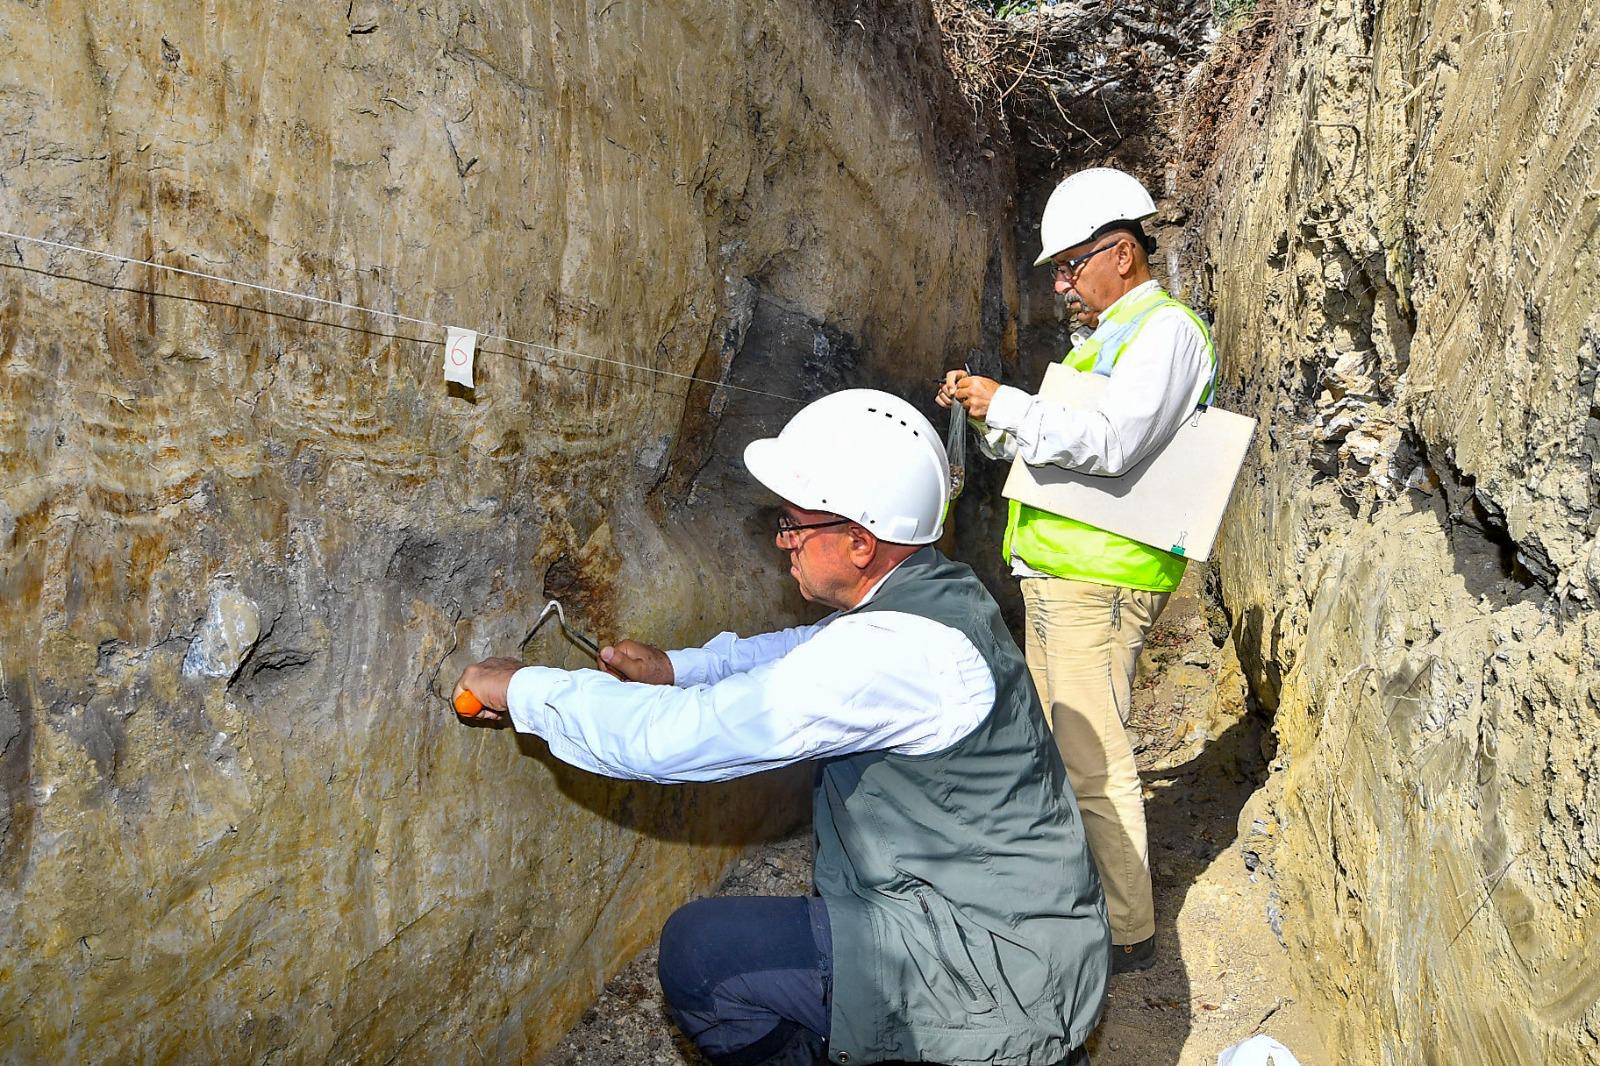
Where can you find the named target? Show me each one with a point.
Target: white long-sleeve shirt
(1156, 384)
(882, 680)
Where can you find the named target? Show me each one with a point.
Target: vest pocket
(952, 952)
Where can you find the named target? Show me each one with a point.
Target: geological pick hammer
(468, 705)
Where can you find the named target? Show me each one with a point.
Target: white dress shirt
(850, 683)
(1156, 384)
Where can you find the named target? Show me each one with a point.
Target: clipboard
(1172, 499)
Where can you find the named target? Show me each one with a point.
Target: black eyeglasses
(787, 525)
(1070, 268)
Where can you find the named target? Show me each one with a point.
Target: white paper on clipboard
(1173, 499)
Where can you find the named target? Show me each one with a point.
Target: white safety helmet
(863, 455)
(1087, 201)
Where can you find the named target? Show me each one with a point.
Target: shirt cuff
(691, 666)
(1007, 408)
(526, 695)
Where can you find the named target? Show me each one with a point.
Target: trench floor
(1222, 975)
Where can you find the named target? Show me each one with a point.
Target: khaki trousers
(1083, 642)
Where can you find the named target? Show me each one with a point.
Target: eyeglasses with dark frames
(1070, 268)
(787, 525)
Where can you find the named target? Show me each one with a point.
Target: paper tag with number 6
(459, 345)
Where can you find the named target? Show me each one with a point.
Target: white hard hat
(1087, 201)
(863, 455)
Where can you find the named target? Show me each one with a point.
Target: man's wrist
(1007, 408)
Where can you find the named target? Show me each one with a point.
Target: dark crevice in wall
(1589, 379)
(776, 349)
(1487, 557)
(1255, 638)
(1262, 676)
(997, 323)
(271, 670)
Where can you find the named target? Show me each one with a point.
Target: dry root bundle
(1079, 76)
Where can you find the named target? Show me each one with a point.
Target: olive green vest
(1065, 547)
(969, 925)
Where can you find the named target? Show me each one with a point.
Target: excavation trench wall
(1398, 235)
(247, 543)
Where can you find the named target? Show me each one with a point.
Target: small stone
(230, 631)
(1422, 479)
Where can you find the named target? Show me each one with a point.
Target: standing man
(1091, 596)
(958, 917)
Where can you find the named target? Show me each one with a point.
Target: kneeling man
(958, 916)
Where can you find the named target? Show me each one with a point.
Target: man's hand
(488, 681)
(633, 661)
(974, 393)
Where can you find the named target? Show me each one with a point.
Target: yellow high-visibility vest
(1065, 547)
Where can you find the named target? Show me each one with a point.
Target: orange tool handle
(468, 705)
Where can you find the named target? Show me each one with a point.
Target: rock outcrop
(246, 542)
(1398, 233)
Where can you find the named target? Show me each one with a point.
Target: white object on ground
(1257, 1051)
(459, 346)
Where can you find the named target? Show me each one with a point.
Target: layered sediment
(247, 543)
(1397, 231)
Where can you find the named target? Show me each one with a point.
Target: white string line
(386, 314)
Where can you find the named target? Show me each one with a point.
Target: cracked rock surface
(1396, 227)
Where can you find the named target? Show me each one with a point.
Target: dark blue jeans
(750, 978)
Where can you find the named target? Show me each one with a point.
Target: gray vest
(968, 921)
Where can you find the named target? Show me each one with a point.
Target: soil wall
(246, 543)
(1397, 230)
